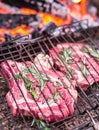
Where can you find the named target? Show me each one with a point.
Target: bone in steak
(45, 92)
(78, 62)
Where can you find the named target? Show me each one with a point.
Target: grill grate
(87, 106)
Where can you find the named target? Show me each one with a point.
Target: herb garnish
(91, 52)
(28, 85)
(55, 95)
(43, 78)
(68, 74)
(42, 125)
(34, 93)
(66, 55)
(84, 69)
(95, 85)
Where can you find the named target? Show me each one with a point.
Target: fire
(83, 7)
(48, 17)
(78, 9)
(20, 30)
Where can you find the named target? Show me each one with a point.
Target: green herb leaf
(42, 125)
(28, 85)
(42, 83)
(95, 86)
(34, 93)
(59, 83)
(56, 96)
(91, 52)
(30, 70)
(33, 122)
(18, 76)
(66, 55)
(68, 74)
(43, 78)
(84, 69)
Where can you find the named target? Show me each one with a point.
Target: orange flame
(48, 17)
(20, 30)
(83, 7)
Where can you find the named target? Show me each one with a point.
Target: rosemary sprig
(43, 78)
(66, 55)
(91, 52)
(68, 74)
(42, 125)
(95, 86)
(28, 85)
(84, 69)
(34, 93)
(55, 95)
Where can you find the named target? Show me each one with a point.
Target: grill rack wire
(27, 50)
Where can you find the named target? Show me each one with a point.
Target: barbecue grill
(86, 116)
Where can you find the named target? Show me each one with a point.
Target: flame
(48, 17)
(77, 9)
(20, 30)
(83, 7)
(25, 30)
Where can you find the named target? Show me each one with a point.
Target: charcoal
(51, 29)
(36, 33)
(10, 21)
(7, 37)
(54, 7)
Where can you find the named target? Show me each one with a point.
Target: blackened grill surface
(88, 100)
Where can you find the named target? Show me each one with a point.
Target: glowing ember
(48, 17)
(76, 9)
(20, 30)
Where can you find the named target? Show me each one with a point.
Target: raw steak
(78, 62)
(49, 97)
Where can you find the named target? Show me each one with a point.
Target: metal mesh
(88, 102)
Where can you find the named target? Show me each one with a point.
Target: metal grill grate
(87, 107)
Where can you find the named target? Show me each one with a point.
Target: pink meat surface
(82, 63)
(53, 101)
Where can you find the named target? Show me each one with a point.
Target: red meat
(82, 62)
(57, 91)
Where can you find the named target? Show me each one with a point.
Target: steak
(78, 62)
(48, 93)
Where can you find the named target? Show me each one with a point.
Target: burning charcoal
(54, 7)
(51, 29)
(36, 33)
(7, 37)
(11, 21)
(48, 28)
